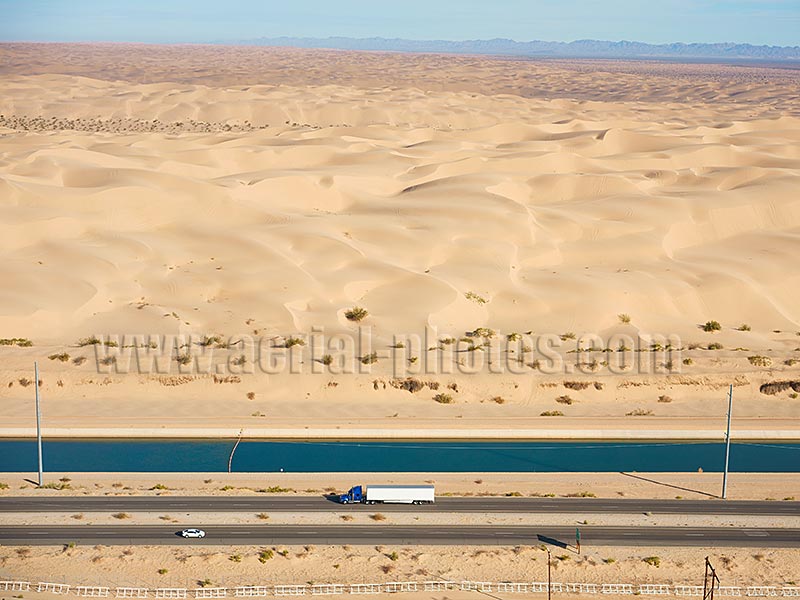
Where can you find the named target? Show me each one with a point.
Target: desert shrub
(78, 360)
(108, 360)
(443, 398)
(623, 318)
(688, 362)
(760, 361)
(413, 360)
(370, 359)
(60, 485)
(265, 555)
(237, 558)
(552, 413)
(251, 395)
(639, 412)
(20, 342)
(567, 336)
(448, 341)
(715, 346)
(791, 362)
(205, 583)
(24, 381)
(499, 400)
(513, 494)
(793, 395)
(393, 556)
(326, 359)
(356, 314)
(62, 356)
(609, 561)
(262, 516)
(576, 385)
(652, 560)
(378, 517)
(162, 571)
(711, 326)
(475, 298)
(183, 359)
(159, 486)
(88, 341)
(664, 399)
(581, 494)
(409, 384)
(239, 360)
(209, 340)
(3, 485)
(513, 337)
(121, 515)
(743, 327)
(276, 489)
(481, 332)
(565, 400)
(291, 342)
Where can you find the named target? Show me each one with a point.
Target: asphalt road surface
(456, 505)
(20, 535)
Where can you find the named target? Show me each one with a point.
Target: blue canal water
(270, 456)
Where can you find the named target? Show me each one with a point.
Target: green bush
(21, 342)
(715, 346)
(652, 560)
(63, 357)
(443, 398)
(291, 342)
(356, 314)
(743, 327)
(265, 555)
(552, 413)
(370, 359)
(623, 318)
(711, 326)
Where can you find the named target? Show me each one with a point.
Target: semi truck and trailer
(389, 494)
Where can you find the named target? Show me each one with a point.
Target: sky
(772, 22)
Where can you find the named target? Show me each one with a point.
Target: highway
(444, 504)
(18, 535)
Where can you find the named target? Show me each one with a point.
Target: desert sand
(576, 222)
(251, 196)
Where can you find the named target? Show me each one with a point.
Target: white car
(193, 533)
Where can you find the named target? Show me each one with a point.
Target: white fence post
(88, 591)
(688, 590)
(252, 591)
(653, 589)
(15, 586)
(129, 592)
(289, 590)
(790, 591)
(53, 588)
(762, 590)
(210, 592)
(170, 592)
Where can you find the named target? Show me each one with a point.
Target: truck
(389, 494)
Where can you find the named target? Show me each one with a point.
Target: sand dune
(270, 208)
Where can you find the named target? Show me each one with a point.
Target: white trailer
(389, 494)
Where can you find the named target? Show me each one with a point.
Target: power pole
(708, 591)
(549, 565)
(727, 445)
(38, 421)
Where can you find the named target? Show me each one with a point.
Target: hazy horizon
(756, 22)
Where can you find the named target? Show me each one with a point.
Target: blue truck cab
(355, 495)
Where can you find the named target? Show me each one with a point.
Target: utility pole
(38, 421)
(708, 591)
(727, 445)
(549, 565)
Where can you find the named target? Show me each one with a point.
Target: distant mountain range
(577, 49)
